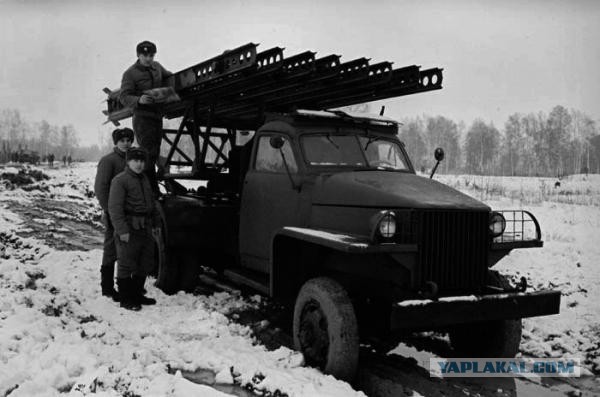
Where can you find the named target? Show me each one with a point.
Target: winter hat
(136, 153)
(146, 47)
(121, 133)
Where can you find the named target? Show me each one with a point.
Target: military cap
(136, 153)
(121, 133)
(146, 47)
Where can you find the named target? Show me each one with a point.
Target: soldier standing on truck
(145, 74)
(108, 167)
(135, 217)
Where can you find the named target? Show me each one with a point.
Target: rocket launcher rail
(235, 88)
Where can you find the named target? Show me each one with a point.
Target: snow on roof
(371, 118)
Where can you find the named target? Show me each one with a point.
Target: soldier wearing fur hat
(145, 74)
(108, 167)
(135, 217)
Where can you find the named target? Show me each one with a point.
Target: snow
(373, 118)
(569, 217)
(422, 302)
(322, 234)
(59, 335)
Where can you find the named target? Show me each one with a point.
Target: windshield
(372, 152)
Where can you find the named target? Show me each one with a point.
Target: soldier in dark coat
(145, 74)
(108, 167)
(135, 217)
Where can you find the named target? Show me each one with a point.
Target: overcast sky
(499, 57)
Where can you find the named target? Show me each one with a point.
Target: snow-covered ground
(58, 335)
(569, 216)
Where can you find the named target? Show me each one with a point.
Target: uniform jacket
(131, 204)
(108, 167)
(138, 79)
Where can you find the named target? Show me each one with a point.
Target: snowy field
(59, 336)
(569, 216)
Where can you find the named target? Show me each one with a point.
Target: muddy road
(74, 225)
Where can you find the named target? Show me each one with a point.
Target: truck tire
(167, 269)
(490, 338)
(325, 328)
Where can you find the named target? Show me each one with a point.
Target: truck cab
(323, 211)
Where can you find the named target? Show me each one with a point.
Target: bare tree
(481, 148)
(411, 134)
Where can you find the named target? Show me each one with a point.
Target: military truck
(323, 210)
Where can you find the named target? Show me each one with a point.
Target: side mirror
(276, 142)
(439, 156)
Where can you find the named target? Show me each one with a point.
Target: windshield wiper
(332, 142)
(371, 140)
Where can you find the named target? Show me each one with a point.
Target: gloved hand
(137, 222)
(146, 99)
(124, 237)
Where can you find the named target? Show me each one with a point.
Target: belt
(139, 213)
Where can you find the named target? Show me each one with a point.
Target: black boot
(139, 289)
(107, 283)
(128, 294)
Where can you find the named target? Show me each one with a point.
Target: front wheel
(325, 328)
(487, 339)
(490, 338)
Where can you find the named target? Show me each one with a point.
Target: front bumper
(428, 314)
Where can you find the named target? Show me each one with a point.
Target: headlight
(387, 225)
(497, 224)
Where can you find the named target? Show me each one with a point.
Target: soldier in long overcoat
(108, 167)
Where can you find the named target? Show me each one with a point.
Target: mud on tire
(491, 338)
(325, 328)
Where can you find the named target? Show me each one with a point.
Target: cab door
(269, 200)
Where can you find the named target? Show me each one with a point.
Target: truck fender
(337, 241)
(297, 252)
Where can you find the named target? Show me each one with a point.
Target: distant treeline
(17, 135)
(556, 144)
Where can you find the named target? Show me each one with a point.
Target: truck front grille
(453, 248)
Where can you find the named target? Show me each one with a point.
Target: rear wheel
(167, 264)
(490, 338)
(325, 328)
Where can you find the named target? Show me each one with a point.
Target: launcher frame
(231, 92)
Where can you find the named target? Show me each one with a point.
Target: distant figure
(145, 74)
(69, 160)
(64, 160)
(51, 159)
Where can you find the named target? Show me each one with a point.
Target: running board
(255, 280)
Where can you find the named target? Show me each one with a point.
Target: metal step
(255, 280)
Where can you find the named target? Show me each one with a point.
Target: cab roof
(334, 118)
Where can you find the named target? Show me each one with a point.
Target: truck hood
(389, 190)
